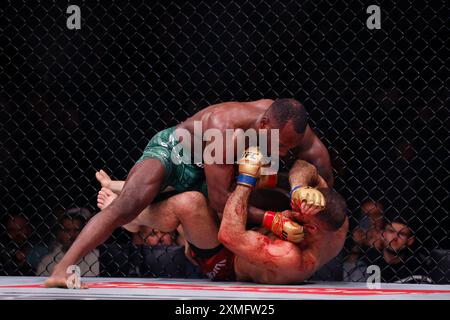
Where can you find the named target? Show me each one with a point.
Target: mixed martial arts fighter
(236, 254)
(155, 170)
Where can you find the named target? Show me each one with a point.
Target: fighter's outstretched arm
(317, 154)
(255, 246)
(305, 174)
(302, 176)
(220, 180)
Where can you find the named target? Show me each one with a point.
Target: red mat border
(231, 288)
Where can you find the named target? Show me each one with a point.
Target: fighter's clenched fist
(283, 227)
(307, 200)
(250, 166)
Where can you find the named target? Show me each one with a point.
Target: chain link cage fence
(76, 101)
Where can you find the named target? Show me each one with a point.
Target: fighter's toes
(106, 191)
(98, 176)
(100, 196)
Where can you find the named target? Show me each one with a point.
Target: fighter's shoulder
(265, 102)
(310, 139)
(218, 120)
(286, 255)
(220, 115)
(275, 246)
(259, 104)
(231, 105)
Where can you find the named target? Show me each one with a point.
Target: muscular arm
(220, 180)
(305, 174)
(317, 154)
(256, 247)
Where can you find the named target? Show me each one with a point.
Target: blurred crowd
(390, 245)
(20, 255)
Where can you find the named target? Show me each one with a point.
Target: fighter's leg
(160, 216)
(141, 187)
(116, 186)
(106, 182)
(190, 209)
(199, 222)
(105, 197)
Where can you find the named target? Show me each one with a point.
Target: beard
(394, 252)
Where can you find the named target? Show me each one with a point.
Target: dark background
(75, 101)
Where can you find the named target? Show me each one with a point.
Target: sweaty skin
(266, 259)
(145, 179)
(260, 256)
(263, 259)
(249, 115)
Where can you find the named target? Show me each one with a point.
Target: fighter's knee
(197, 198)
(191, 201)
(131, 227)
(223, 237)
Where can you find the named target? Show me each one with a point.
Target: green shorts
(180, 176)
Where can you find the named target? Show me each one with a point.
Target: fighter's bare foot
(60, 281)
(105, 197)
(103, 178)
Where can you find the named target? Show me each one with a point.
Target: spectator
(372, 215)
(152, 237)
(70, 226)
(369, 232)
(161, 254)
(396, 258)
(16, 247)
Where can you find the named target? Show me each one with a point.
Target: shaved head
(283, 111)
